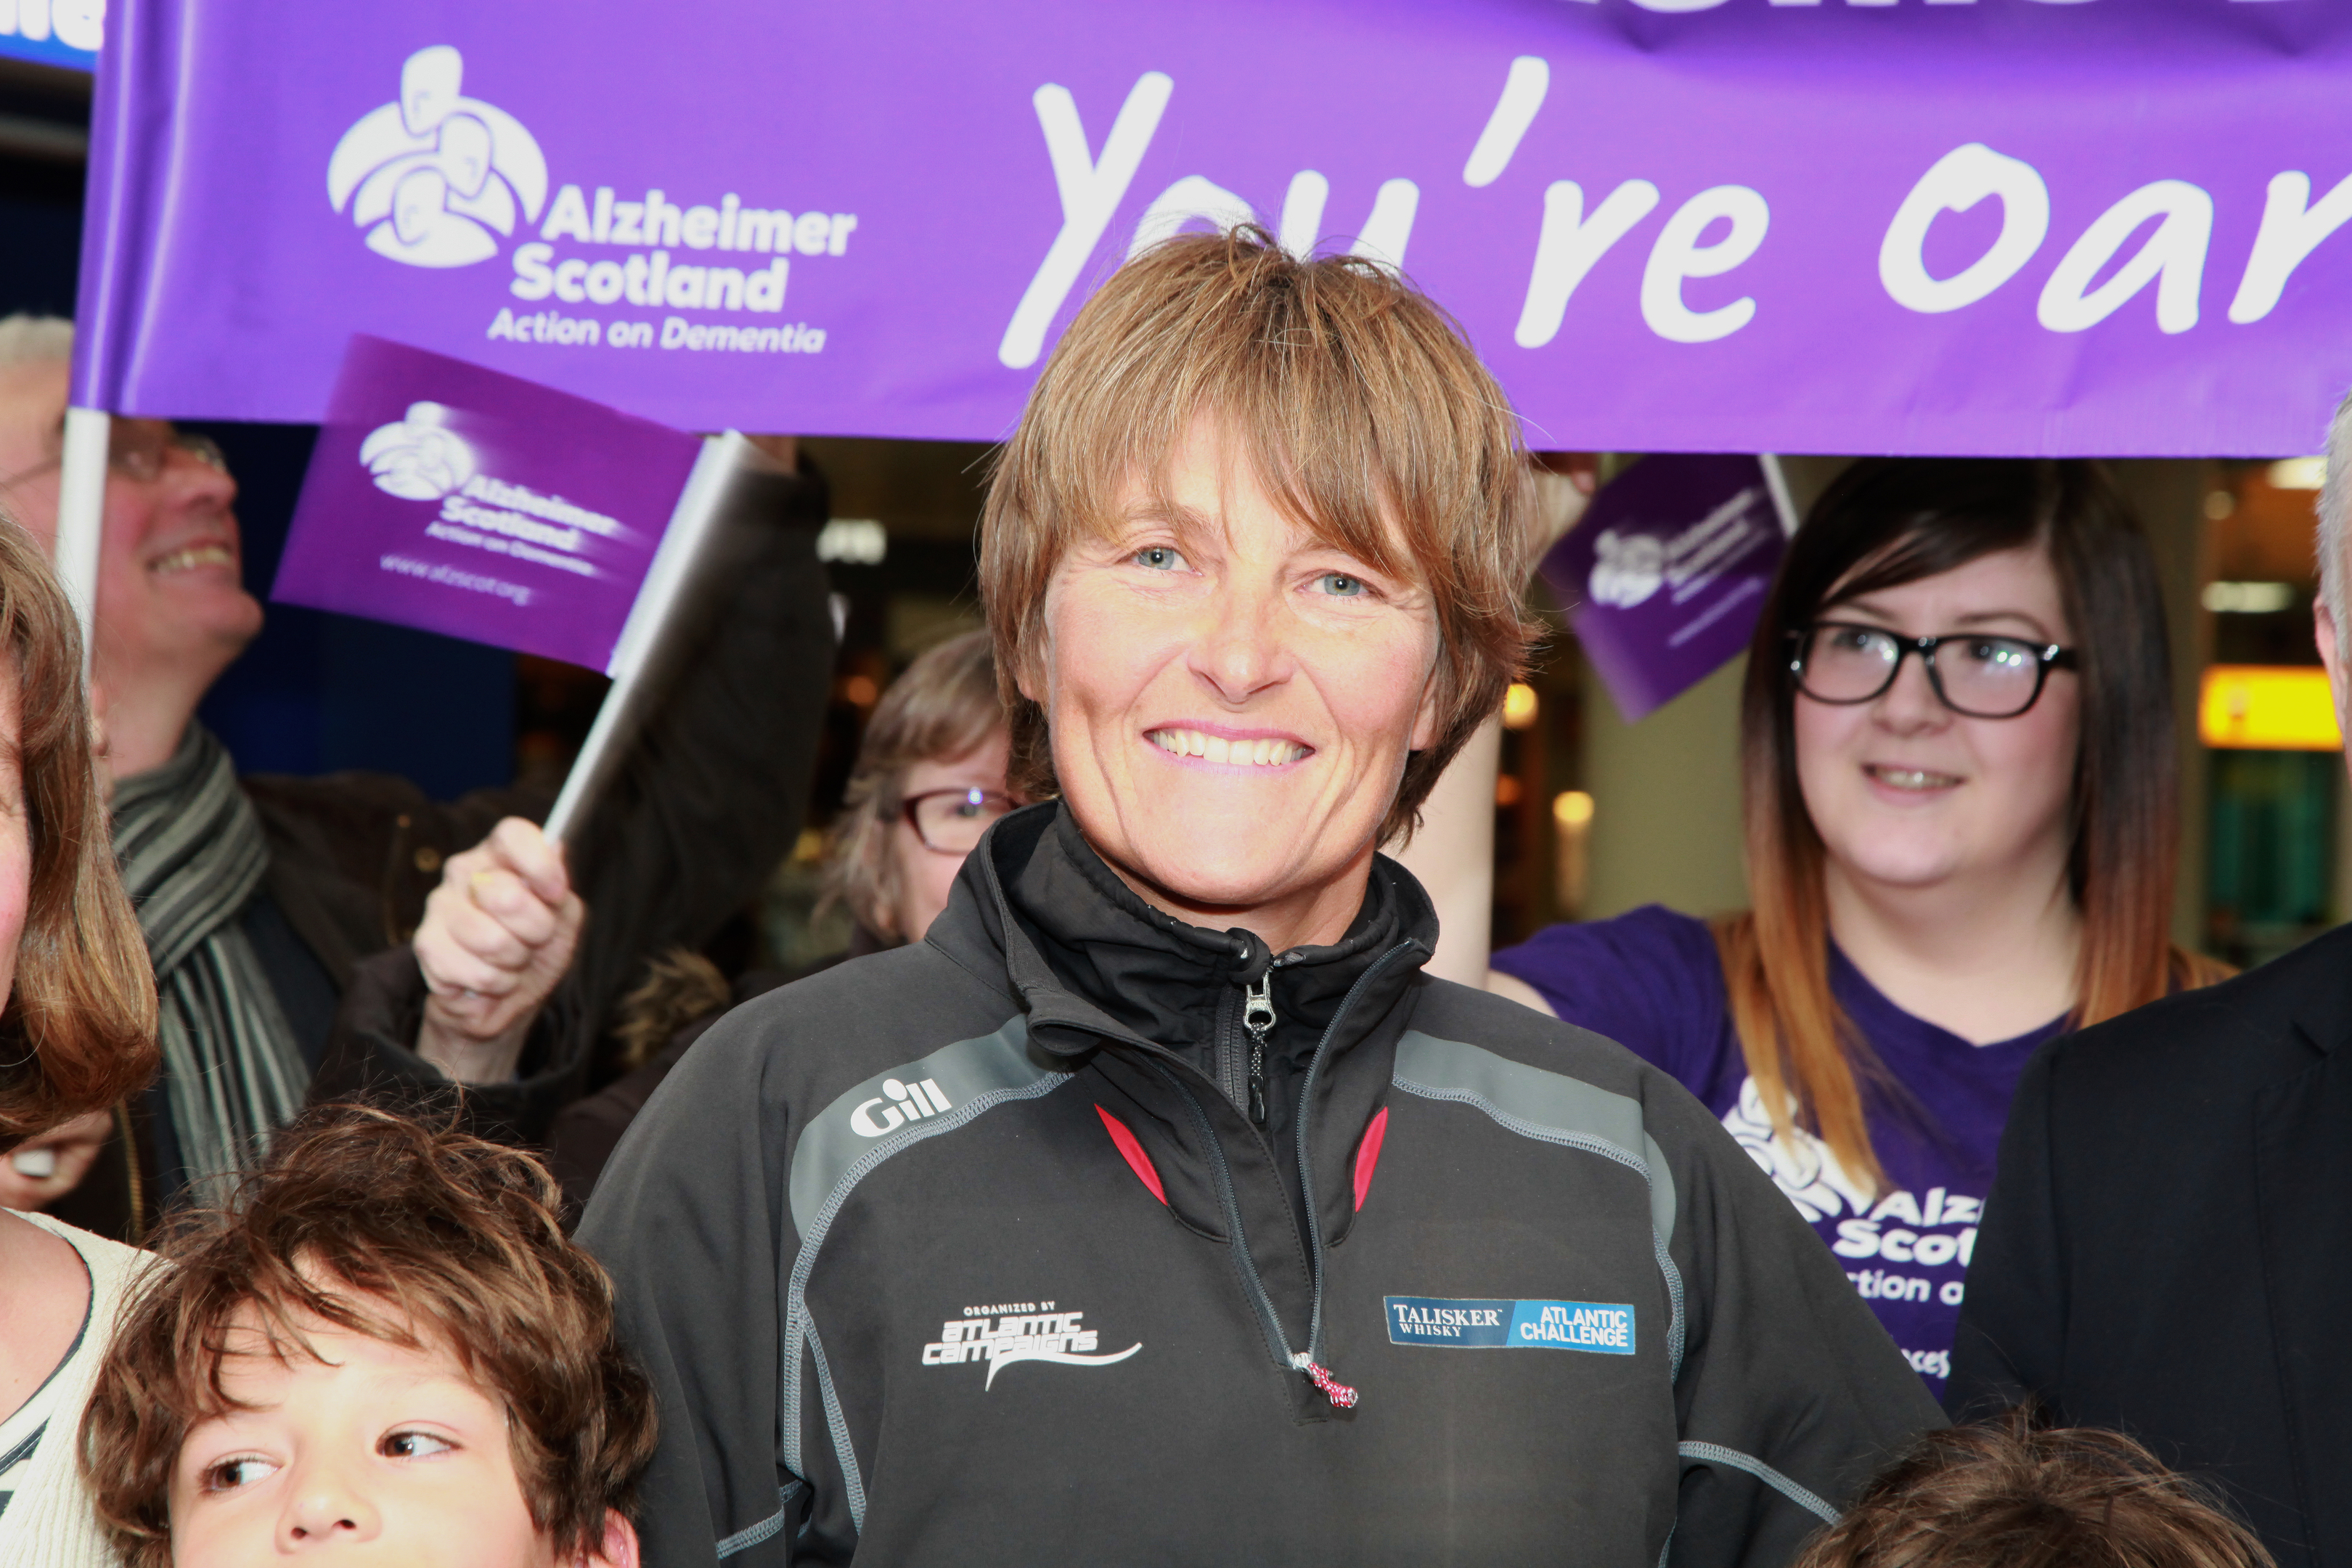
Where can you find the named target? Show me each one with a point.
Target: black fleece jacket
(973, 1252)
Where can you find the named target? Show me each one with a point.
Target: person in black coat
(2167, 1246)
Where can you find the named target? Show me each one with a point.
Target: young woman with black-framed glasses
(1952, 858)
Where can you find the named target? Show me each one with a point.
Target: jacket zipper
(1339, 1394)
(1305, 1361)
(1231, 1073)
(1239, 1243)
(1257, 1017)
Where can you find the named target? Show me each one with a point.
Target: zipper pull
(1342, 1397)
(1257, 1017)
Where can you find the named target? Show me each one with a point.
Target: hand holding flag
(499, 933)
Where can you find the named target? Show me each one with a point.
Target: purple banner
(1664, 576)
(2113, 226)
(453, 498)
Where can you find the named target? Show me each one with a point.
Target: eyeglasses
(950, 821)
(139, 451)
(1980, 676)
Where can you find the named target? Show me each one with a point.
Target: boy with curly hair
(2009, 1493)
(384, 1344)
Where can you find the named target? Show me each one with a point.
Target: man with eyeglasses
(262, 898)
(2164, 1248)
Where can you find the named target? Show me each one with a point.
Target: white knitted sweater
(45, 1516)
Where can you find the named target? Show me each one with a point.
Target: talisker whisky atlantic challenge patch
(1458, 1324)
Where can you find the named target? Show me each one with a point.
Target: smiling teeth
(1264, 753)
(1912, 778)
(194, 556)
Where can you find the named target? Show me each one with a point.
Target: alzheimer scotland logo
(432, 177)
(436, 179)
(418, 458)
(1627, 568)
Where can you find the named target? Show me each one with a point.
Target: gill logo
(914, 1101)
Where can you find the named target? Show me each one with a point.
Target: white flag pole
(1783, 505)
(81, 515)
(666, 579)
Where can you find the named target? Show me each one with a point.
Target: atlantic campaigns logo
(434, 177)
(418, 458)
(1629, 568)
(1599, 1327)
(1012, 1331)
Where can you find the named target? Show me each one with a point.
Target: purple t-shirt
(1650, 981)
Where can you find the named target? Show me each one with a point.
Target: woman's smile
(1218, 747)
(1903, 782)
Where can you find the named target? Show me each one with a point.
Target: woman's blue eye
(1339, 585)
(1159, 558)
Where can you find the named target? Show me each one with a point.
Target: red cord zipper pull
(1341, 1396)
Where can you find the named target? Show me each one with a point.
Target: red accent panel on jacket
(1368, 1153)
(1140, 1163)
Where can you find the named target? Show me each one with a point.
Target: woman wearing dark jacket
(1155, 1206)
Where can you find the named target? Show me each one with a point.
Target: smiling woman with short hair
(1156, 1206)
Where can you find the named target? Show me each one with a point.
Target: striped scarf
(193, 856)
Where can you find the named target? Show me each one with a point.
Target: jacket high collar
(1094, 964)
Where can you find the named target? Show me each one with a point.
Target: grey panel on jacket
(836, 1139)
(1547, 1099)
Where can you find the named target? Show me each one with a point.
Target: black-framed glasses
(140, 450)
(1974, 674)
(950, 821)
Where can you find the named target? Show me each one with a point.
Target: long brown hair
(78, 1033)
(1885, 522)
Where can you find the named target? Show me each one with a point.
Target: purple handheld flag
(1665, 576)
(461, 501)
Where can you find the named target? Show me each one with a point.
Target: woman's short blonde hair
(1361, 410)
(942, 707)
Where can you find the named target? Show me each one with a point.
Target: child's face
(371, 1453)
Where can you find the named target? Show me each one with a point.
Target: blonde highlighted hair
(1354, 401)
